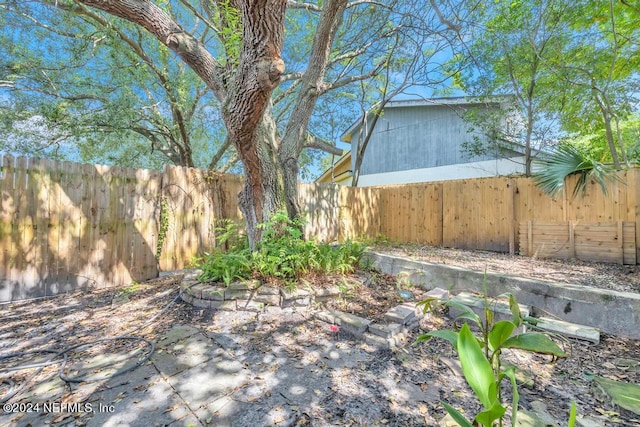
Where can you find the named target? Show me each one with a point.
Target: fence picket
(88, 225)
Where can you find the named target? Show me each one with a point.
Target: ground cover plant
(283, 256)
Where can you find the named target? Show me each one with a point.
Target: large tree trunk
(264, 189)
(247, 113)
(312, 86)
(245, 94)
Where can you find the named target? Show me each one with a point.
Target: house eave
(346, 158)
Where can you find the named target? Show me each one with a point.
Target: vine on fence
(164, 225)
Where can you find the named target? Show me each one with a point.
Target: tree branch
(312, 141)
(286, 92)
(221, 152)
(360, 2)
(454, 27)
(37, 23)
(167, 31)
(292, 76)
(291, 4)
(348, 80)
(208, 23)
(362, 49)
(230, 163)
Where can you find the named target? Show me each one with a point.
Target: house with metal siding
(423, 140)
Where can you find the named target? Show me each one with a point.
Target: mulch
(547, 387)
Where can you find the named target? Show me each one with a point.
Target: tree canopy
(572, 67)
(214, 80)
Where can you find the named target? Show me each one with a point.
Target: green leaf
(428, 304)
(511, 373)
(488, 315)
(476, 368)
(500, 332)
(467, 312)
(487, 417)
(515, 310)
(422, 338)
(625, 395)
(450, 336)
(535, 342)
(573, 414)
(456, 415)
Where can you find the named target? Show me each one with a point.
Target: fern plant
(283, 254)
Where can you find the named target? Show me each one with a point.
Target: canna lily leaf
(535, 342)
(450, 336)
(515, 310)
(487, 417)
(511, 373)
(500, 332)
(476, 368)
(456, 415)
(467, 312)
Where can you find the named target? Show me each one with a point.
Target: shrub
(282, 254)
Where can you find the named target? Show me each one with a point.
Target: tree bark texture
(244, 90)
(312, 86)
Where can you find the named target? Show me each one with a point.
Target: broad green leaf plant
(480, 357)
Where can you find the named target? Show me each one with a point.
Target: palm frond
(569, 160)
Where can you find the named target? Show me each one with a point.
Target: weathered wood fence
(67, 226)
(512, 215)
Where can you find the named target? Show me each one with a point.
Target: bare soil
(361, 395)
(623, 278)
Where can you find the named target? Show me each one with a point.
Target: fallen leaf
(625, 395)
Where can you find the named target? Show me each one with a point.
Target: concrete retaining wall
(612, 312)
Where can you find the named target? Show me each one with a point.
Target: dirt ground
(359, 392)
(623, 278)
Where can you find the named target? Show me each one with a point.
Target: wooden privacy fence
(488, 213)
(605, 241)
(66, 226)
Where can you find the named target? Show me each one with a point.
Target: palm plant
(567, 160)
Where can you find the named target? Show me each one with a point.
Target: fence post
(512, 216)
(634, 196)
(621, 241)
(572, 239)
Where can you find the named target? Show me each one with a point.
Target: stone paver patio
(240, 369)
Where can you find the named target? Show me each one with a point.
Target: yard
(285, 367)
